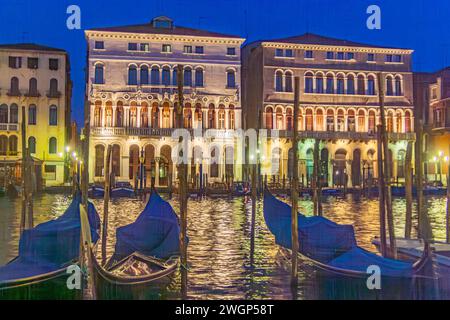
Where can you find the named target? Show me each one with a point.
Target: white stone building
(132, 91)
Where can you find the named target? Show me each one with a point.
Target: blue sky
(422, 25)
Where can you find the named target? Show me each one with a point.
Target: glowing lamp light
(434, 158)
(60, 154)
(440, 153)
(67, 149)
(74, 154)
(446, 159)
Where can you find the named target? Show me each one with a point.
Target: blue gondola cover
(326, 241)
(51, 245)
(154, 233)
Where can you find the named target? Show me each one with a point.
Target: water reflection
(219, 245)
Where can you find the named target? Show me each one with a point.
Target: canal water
(221, 264)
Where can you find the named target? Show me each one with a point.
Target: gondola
(96, 192)
(332, 247)
(146, 255)
(45, 252)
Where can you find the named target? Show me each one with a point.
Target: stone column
(156, 173)
(138, 120)
(160, 116)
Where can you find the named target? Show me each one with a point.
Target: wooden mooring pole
(381, 194)
(408, 190)
(106, 202)
(448, 199)
(387, 171)
(294, 187)
(182, 178)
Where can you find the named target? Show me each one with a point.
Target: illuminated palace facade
(339, 105)
(37, 78)
(132, 90)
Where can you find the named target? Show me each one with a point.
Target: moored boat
(332, 247)
(145, 257)
(45, 252)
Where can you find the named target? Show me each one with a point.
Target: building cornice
(162, 61)
(282, 45)
(162, 37)
(324, 69)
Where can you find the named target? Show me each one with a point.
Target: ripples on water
(219, 233)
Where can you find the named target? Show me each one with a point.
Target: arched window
(198, 116)
(174, 77)
(13, 113)
(133, 115)
(144, 75)
(371, 121)
(166, 115)
(330, 120)
(13, 145)
(340, 84)
(99, 74)
(32, 145)
(188, 77)
(99, 160)
(4, 113)
(361, 121)
(279, 81)
(3, 145)
(211, 117)
(319, 83)
(408, 121)
(300, 120)
(350, 84)
(330, 83)
(309, 120)
(187, 116)
(144, 115)
(199, 77)
(214, 163)
(288, 82)
(340, 120)
(289, 122)
(371, 85)
(108, 114)
(389, 86)
(165, 79)
(155, 75)
(231, 118)
(132, 76)
(115, 160)
(32, 89)
(279, 118)
(319, 120)
(32, 114)
(269, 118)
(53, 91)
(309, 82)
(231, 79)
(52, 146)
(53, 116)
(361, 85)
(119, 114)
(14, 90)
(351, 120)
(390, 122)
(155, 115)
(398, 86)
(98, 114)
(221, 117)
(398, 120)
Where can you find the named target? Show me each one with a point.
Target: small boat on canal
(332, 247)
(146, 255)
(45, 252)
(121, 190)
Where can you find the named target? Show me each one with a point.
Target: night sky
(422, 25)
